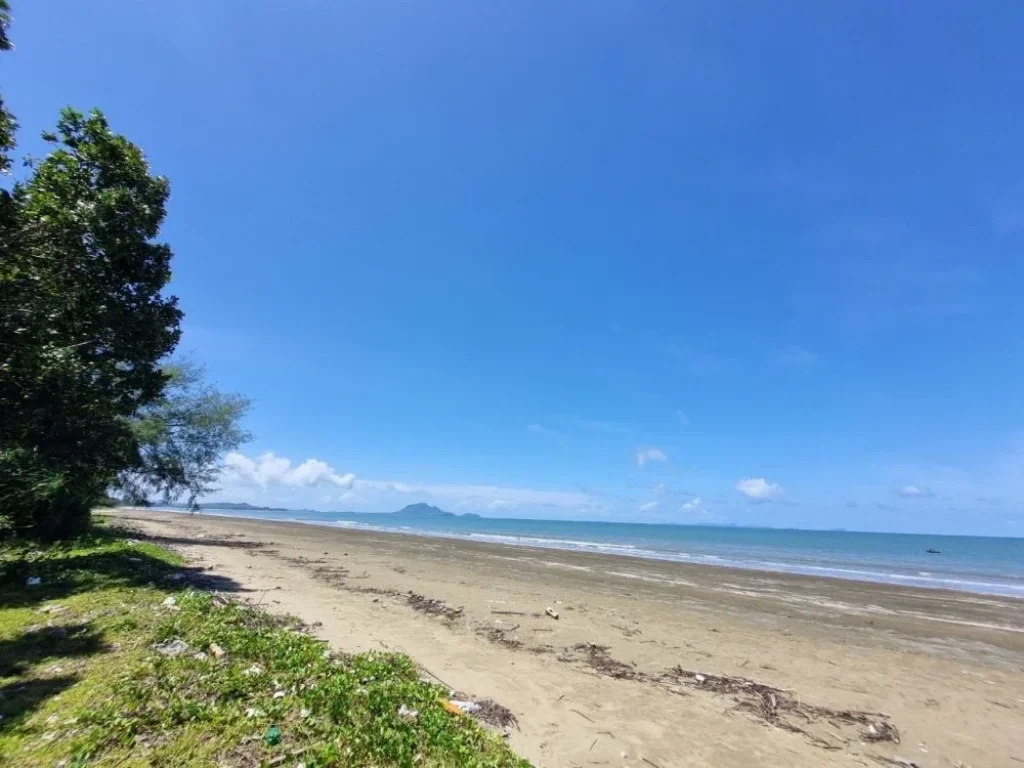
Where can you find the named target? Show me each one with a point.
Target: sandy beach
(648, 663)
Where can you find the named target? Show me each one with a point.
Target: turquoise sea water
(968, 563)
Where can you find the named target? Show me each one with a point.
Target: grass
(83, 681)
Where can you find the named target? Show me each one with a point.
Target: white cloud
(270, 470)
(913, 492)
(684, 420)
(691, 505)
(759, 489)
(659, 488)
(649, 506)
(644, 455)
(797, 357)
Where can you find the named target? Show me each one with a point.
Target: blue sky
(701, 262)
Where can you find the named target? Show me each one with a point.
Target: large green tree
(84, 322)
(85, 329)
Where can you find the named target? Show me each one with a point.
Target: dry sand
(945, 668)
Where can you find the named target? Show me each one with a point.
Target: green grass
(81, 680)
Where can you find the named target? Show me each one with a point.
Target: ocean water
(985, 565)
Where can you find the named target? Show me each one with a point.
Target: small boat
(933, 551)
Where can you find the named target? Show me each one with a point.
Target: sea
(984, 565)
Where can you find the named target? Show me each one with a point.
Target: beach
(648, 663)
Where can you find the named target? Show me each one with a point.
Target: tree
(181, 437)
(87, 403)
(84, 321)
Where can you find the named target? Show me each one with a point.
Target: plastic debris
(217, 651)
(466, 707)
(33, 581)
(173, 647)
(551, 612)
(408, 714)
(170, 602)
(279, 694)
(273, 736)
(699, 678)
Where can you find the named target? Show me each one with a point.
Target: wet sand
(650, 663)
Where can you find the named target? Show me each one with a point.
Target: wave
(917, 579)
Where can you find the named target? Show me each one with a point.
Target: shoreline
(922, 580)
(646, 659)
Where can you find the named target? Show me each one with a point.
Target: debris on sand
(551, 612)
(502, 636)
(881, 731)
(485, 710)
(490, 711)
(467, 707)
(776, 707)
(597, 658)
(433, 606)
(896, 760)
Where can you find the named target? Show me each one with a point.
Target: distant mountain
(243, 506)
(422, 510)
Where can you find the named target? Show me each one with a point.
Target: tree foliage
(8, 126)
(181, 437)
(84, 321)
(85, 329)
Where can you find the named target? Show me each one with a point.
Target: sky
(701, 262)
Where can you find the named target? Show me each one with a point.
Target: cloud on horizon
(759, 489)
(271, 479)
(270, 470)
